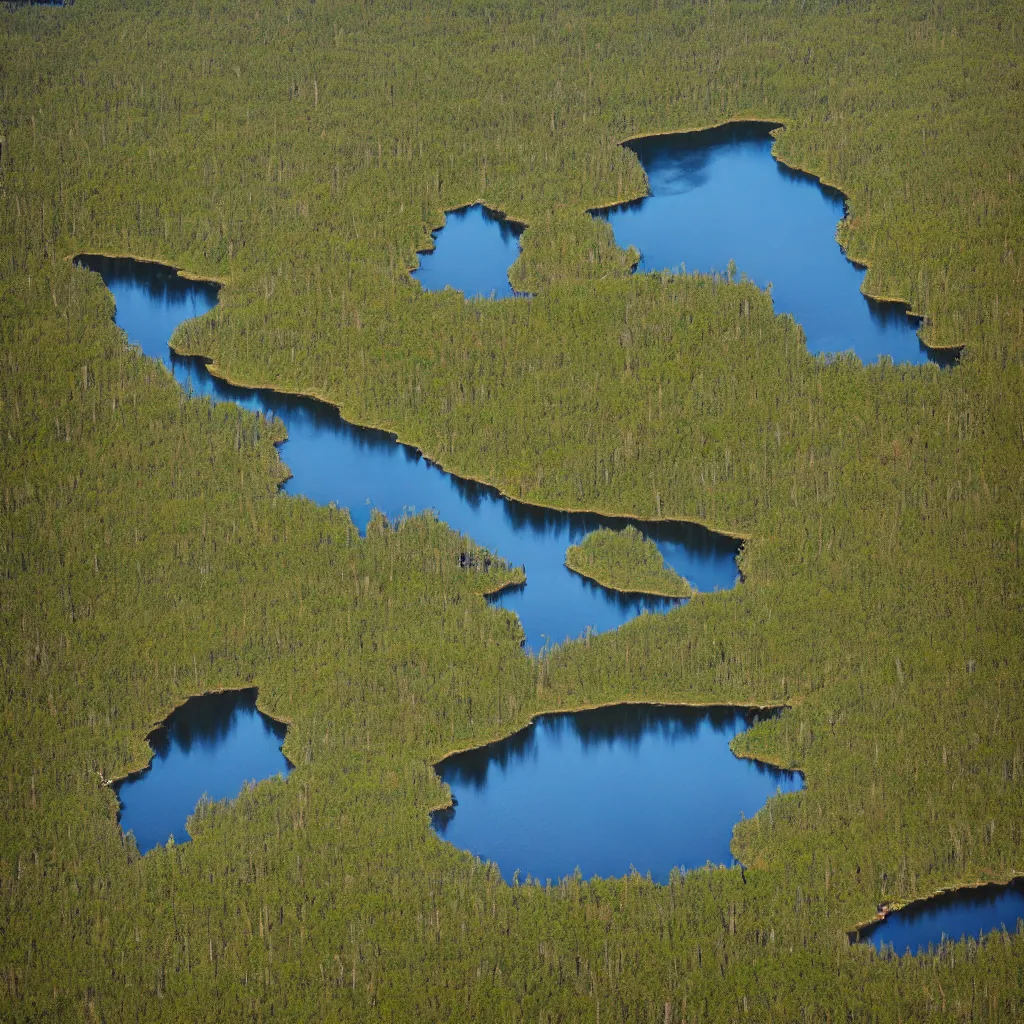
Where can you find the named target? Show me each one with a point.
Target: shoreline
(217, 371)
(635, 701)
(432, 247)
(744, 706)
(897, 905)
(157, 726)
(863, 264)
(186, 275)
(689, 595)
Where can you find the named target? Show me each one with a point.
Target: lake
(645, 786)
(719, 195)
(472, 253)
(360, 469)
(955, 915)
(212, 744)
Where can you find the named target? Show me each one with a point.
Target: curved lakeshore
(211, 745)
(714, 206)
(158, 262)
(623, 786)
(695, 705)
(363, 468)
(973, 910)
(626, 561)
(472, 252)
(626, 590)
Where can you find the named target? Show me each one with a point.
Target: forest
(626, 560)
(301, 153)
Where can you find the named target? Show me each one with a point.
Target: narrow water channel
(962, 913)
(212, 744)
(719, 198)
(644, 786)
(472, 253)
(361, 469)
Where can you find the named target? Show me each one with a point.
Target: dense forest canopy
(626, 560)
(301, 153)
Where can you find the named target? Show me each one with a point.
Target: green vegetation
(301, 152)
(626, 560)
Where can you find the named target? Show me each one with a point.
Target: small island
(626, 560)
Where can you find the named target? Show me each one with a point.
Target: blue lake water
(964, 913)
(472, 253)
(213, 745)
(361, 469)
(643, 786)
(719, 195)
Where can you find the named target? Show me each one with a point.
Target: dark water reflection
(361, 469)
(964, 913)
(212, 744)
(719, 195)
(472, 253)
(633, 785)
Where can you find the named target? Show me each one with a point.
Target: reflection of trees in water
(962, 899)
(943, 357)
(890, 312)
(893, 313)
(629, 723)
(520, 516)
(207, 720)
(441, 819)
(321, 417)
(472, 492)
(771, 771)
(799, 177)
(618, 723)
(679, 163)
(539, 520)
(630, 602)
(164, 286)
(470, 767)
(928, 911)
(194, 370)
(692, 536)
(508, 230)
(161, 284)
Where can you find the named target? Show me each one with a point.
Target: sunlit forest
(626, 560)
(301, 152)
